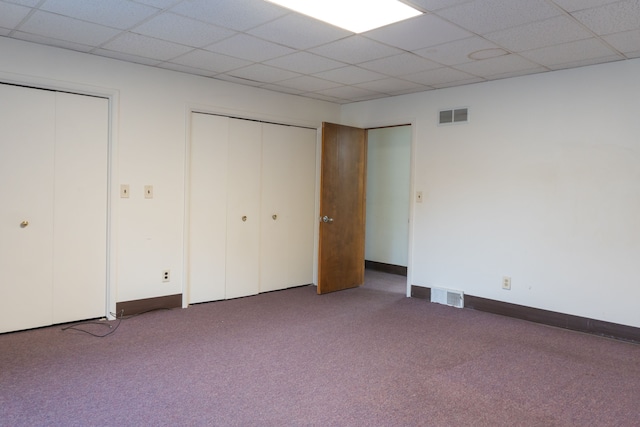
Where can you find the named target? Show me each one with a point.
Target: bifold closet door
(27, 125)
(208, 207)
(288, 206)
(53, 215)
(243, 208)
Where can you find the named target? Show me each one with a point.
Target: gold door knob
(244, 218)
(24, 223)
(274, 217)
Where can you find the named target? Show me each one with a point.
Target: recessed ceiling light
(356, 16)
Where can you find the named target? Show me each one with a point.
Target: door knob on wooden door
(327, 219)
(24, 224)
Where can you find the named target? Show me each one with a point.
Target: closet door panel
(27, 124)
(80, 207)
(288, 192)
(243, 208)
(208, 208)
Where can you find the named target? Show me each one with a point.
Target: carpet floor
(362, 357)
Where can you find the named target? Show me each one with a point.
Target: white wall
(542, 185)
(388, 188)
(150, 109)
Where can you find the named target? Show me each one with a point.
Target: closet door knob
(274, 217)
(244, 218)
(24, 223)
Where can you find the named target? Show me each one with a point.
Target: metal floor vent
(447, 297)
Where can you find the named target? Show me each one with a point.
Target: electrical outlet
(506, 283)
(166, 275)
(124, 191)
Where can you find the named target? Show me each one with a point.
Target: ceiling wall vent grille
(453, 116)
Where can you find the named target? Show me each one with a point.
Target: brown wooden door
(342, 205)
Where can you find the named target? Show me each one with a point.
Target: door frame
(380, 124)
(113, 193)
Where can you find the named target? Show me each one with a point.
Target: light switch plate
(124, 191)
(148, 191)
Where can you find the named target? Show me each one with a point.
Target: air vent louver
(453, 116)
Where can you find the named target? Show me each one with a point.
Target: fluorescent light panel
(357, 16)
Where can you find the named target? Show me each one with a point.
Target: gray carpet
(362, 357)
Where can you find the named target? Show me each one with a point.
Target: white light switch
(418, 196)
(124, 191)
(148, 191)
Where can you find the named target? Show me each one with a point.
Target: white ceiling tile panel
(398, 65)
(178, 29)
(11, 14)
(391, 85)
(161, 4)
(485, 16)
(439, 76)
(278, 88)
(350, 92)
(456, 52)
(239, 80)
(432, 5)
(612, 18)
(556, 30)
(355, 49)
(500, 65)
(126, 57)
(417, 33)
(459, 82)
(67, 29)
(321, 97)
(147, 47)
(250, 48)
(308, 83)
(349, 75)
(214, 62)
(185, 69)
(30, 3)
(585, 62)
(263, 73)
(34, 38)
(573, 5)
(627, 42)
(305, 63)
(569, 52)
(237, 15)
(299, 32)
(121, 14)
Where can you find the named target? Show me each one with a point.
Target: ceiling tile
(432, 5)
(440, 76)
(299, 32)
(113, 13)
(283, 89)
(308, 83)
(585, 62)
(573, 5)
(185, 69)
(398, 65)
(485, 16)
(250, 48)
(11, 14)
(627, 42)
(126, 57)
(569, 52)
(392, 86)
(178, 29)
(419, 32)
(556, 30)
(147, 47)
(456, 52)
(612, 18)
(305, 63)
(30, 3)
(34, 38)
(239, 80)
(67, 29)
(503, 64)
(355, 49)
(349, 75)
(263, 73)
(213, 62)
(351, 93)
(237, 15)
(161, 4)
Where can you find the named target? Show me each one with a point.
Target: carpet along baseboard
(386, 268)
(551, 318)
(128, 308)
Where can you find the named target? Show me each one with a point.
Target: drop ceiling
(256, 43)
